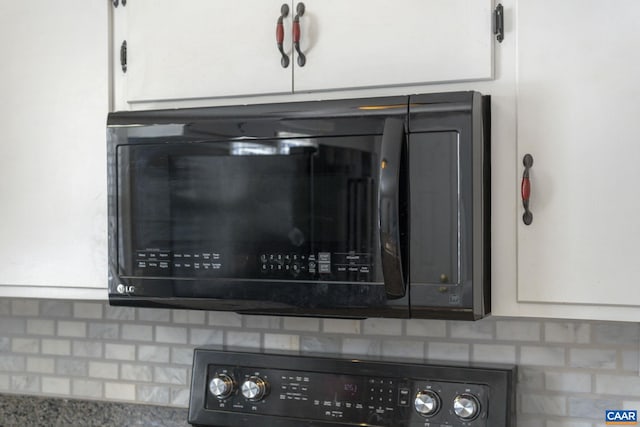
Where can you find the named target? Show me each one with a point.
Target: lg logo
(123, 289)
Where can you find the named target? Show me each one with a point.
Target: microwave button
(324, 257)
(324, 268)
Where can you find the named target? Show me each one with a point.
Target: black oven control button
(221, 386)
(254, 388)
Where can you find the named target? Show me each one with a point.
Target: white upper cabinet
(578, 116)
(198, 50)
(204, 48)
(55, 99)
(365, 43)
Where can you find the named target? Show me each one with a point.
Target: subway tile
(25, 307)
(375, 326)
(399, 348)
(530, 378)
(262, 322)
(25, 345)
(630, 360)
(426, 328)
(59, 347)
(153, 353)
(180, 396)
(191, 317)
(120, 391)
(86, 388)
(447, 351)
(342, 326)
(587, 407)
(56, 385)
(87, 310)
(225, 319)
(542, 356)
(11, 363)
(182, 356)
(104, 331)
(206, 336)
(72, 329)
(136, 372)
(87, 349)
(630, 405)
(41, 365)
(41, 327)
(568, 382)
(515, 330)
(616, 333)
(166, 375)
(4, 381)
(543, 404)
(593, 358)
(243, 339)
(119, 351)
(320, 344)
(281, 342)
(626, 385)
(5, 344)
(72, 367)
(494, 353)
(154, 315)
(106, 370)
(361, 346)
(29, 383)
(309, 324)
(12, 326)
(567, 332)
(5, 307)
(171, 335)
(132, 332)
(55, 308)
(479, 330)
(152, 394)
(120, 313)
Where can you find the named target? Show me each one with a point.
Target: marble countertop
(19, 410)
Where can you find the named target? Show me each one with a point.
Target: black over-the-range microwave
(353, 208)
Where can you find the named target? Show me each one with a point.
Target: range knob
(466, 406)
(221, 386)
(427, 403)
(254, 388)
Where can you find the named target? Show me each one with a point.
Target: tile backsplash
(569, 372)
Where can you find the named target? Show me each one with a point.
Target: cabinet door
(579, 116)
(365, 43)
(203, 49)
(54, 86)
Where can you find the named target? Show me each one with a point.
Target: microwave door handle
(388, 207)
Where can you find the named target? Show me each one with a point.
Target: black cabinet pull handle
(525, 189)
(284, 12)
(296, 34)
(389, 208)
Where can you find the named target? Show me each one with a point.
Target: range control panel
(236, 392)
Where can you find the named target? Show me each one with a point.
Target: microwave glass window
(280, 210)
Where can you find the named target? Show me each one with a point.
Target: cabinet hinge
(123, 56)
(498, 23)
(116, 2)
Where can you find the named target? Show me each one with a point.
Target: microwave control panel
(343, 266)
